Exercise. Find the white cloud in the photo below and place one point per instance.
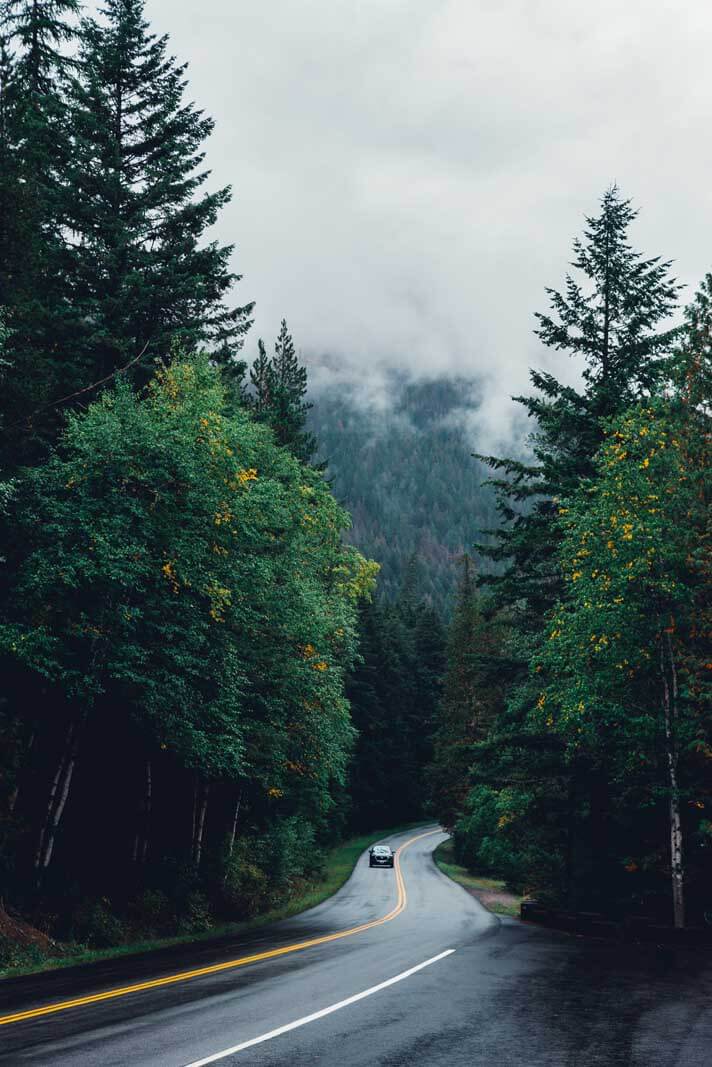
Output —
(409, 174)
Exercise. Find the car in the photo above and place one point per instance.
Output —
(380, 856)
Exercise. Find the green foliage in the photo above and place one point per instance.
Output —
(141, 272)
(413, 488)
(394, 692)
(278, 396)
(610, 320)
(471, 699)
(220, 643)
(95, 925)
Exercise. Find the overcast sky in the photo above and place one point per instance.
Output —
(409, 174)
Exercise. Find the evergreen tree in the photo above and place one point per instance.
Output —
(394, 694)
(470, 701)
(35, 38)
(141, 272)
(279, 395)
(611, 320)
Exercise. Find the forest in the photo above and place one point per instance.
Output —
(205, 682)
(416, 490)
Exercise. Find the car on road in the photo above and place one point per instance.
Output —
(380, 856)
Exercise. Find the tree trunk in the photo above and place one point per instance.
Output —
(52, 794)
(670, 694)
(233, 830)
(200, 826)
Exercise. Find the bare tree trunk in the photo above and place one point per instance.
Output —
(57, 816)
(233, 830)
(670, 694)
(198, 851)
(52, 794)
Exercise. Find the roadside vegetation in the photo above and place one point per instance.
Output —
(573, 747)
(492, 893)
(25, 950)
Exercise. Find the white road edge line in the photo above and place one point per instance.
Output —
(318, 1014)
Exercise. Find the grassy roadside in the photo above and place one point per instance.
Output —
(339, 865)
(491, 892)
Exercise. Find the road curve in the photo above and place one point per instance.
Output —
(398, 967)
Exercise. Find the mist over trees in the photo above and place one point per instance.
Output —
(407, 475)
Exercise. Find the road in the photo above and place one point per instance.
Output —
(423, 976)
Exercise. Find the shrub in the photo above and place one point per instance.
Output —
(94, 924)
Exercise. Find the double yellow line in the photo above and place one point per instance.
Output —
(215, 968)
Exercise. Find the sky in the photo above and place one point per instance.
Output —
(408, 175)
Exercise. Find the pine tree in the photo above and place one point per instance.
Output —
(261, 381)
(141, 273)
(611, 320)
(35, 39)
(470, 701)
(279, 394)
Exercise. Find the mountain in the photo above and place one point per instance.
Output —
(405, 471)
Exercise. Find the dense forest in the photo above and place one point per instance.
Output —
(204, 685)
(577, 716)
(407, 475)
(179, 611)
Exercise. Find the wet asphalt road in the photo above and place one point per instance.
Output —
(510, 995)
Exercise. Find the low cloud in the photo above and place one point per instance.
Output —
(409, 174)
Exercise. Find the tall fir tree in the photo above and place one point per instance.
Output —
(143, 275)
(278, 397)
(611, 318)
(35, 60)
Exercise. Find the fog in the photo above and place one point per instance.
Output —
(409, 174)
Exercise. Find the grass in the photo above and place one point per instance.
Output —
(340, 863)
(492, 892)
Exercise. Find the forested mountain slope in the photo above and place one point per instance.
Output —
(408, 477)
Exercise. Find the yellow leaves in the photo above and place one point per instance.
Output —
(576, 575)
(222, 515)
(308, 651)
(554, 634)
(541, 701)
(274, 792)
(645, 463)
(505, 820)
(245, 476)
(295, 768)
(220, 599)
(320, 665)
(611, 546)
(169, 573)
(628, 531)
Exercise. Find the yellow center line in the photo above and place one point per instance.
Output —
(215, 968)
